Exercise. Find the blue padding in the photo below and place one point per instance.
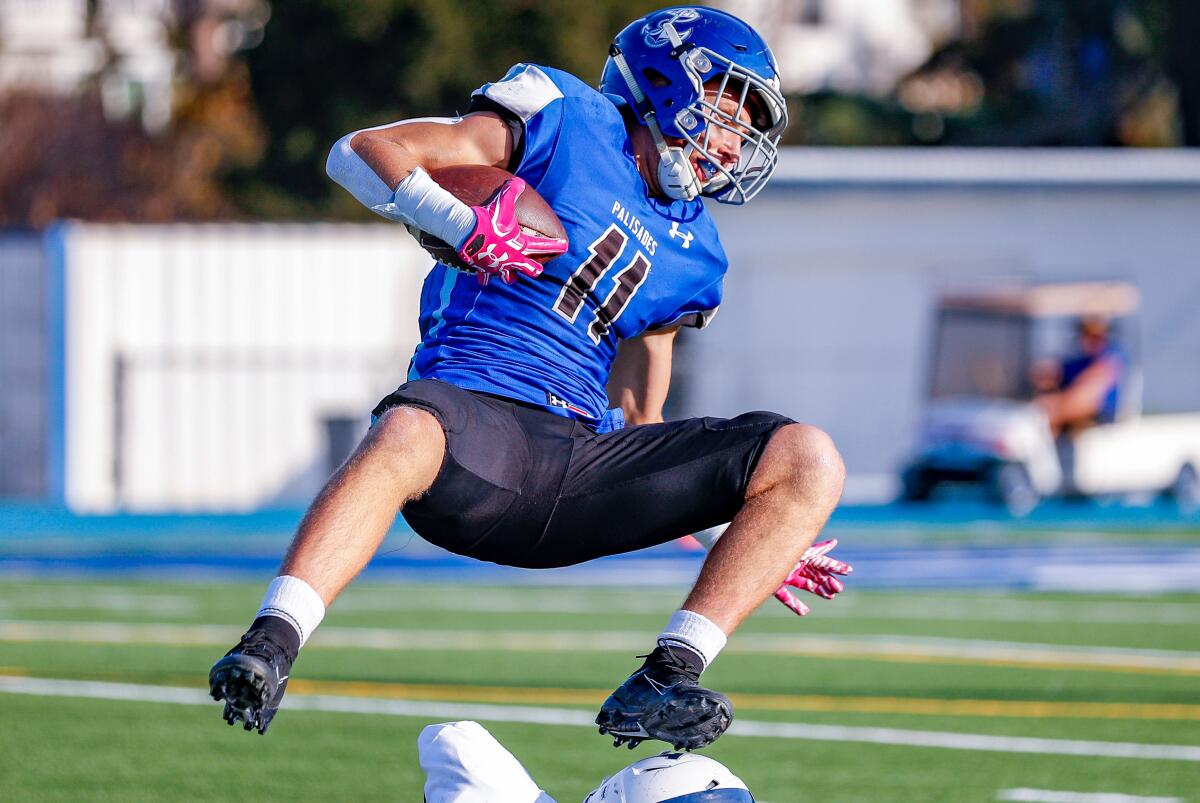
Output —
(55, 300)
(720, 795)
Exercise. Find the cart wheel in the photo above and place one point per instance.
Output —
(1185, 490)
(1013, 489)
(915, 485)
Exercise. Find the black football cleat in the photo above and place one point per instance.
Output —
(251, 679)
(663, 700)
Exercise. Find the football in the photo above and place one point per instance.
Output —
(476, 185)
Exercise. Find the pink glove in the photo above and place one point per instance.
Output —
(814, 574)
(497, 246)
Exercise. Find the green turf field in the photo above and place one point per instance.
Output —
(1043, 675)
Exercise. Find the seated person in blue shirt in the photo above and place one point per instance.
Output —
(1088, 382)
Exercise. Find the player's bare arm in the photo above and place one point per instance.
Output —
(641, 376)
(479, 138)
(388, 170)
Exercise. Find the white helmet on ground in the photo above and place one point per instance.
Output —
(672, 778)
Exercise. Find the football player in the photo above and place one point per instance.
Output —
(501, 444)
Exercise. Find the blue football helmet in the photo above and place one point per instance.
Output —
(673, 67)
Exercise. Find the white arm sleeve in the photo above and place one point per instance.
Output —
(463, 763)
(417, 200)
(349, 170)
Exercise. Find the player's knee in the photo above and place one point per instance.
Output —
(801, 456)
(402, 432)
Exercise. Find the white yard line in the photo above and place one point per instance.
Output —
(589, 601)
(882, 646)
(102, 598)
(919, 607)
(976, 649)
(575, 717)
(1026, 795)
(1000, 608)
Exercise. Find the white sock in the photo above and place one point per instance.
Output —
(696, 632)
(296, 602)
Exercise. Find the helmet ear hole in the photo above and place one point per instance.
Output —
(655, 78)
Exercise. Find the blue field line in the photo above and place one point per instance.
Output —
(25, 521)
(55, 310)
(22, 521)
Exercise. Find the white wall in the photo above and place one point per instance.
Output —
(837, 266)
(203, 359)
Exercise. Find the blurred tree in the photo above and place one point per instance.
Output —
(257, 103)
(326, 67)
(1059, 72)
(1035, 73)
(845, 120)
(61, 157)
(1183, 63)
(72, 156)
(256, 108)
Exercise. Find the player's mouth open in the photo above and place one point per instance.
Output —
(705, 171)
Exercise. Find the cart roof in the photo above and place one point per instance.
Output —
(1106, 299)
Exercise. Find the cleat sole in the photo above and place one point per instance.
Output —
(689, 721)
(244, 689)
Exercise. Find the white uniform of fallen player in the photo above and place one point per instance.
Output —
(463, 763)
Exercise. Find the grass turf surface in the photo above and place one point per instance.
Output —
(567, 649)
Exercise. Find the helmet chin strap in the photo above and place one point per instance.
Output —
(676, 178)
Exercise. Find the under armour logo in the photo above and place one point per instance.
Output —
(490, 258)
(686, 236)
(655, 36)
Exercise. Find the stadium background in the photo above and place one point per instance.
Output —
(194, 323)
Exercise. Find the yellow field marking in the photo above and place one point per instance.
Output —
(766, 702)
(1033, 662)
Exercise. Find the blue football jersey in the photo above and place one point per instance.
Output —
(635, 263)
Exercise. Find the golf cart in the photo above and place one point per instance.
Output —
(982, 429)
